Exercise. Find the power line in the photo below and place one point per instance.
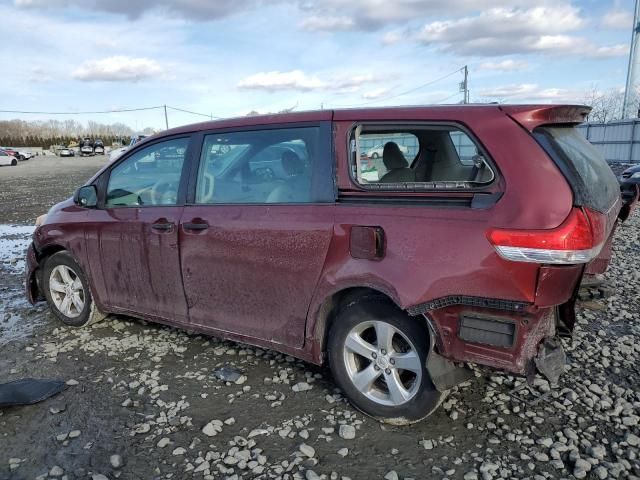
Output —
(431, 82)
(447, 98)
(84, 113)
(193, 113)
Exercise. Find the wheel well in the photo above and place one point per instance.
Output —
(49, 250)
(332, 305)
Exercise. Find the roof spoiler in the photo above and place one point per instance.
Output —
(533, 116)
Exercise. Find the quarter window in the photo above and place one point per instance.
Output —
(150, 176)
(434, 157)
(266, 166)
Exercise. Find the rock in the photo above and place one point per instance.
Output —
(56, 471)
(301, 387)
(212, 428)
(179, 451)
(343, 452)
(392, 475)
(632, 440)
(74, 433)
(311, 475)
(116, 461)
(307, 450)
(348, 432)
(163, 442)
(470, 476)
(597, 452)
(227, 374)
(601, 472)
(72, 382)
(427, 444)
(99, 476)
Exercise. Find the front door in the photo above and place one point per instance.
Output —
(254, 241)
(135, 235)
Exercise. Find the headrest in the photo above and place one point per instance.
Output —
(392, 156)
(291, 163)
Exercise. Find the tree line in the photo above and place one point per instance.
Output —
(44, 133)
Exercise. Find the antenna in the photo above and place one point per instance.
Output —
(633, 71)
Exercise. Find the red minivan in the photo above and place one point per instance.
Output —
(465, 241)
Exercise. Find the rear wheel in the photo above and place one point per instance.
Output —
(374, 155)
(67, 290)
(378, 358)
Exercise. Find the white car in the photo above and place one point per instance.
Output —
(116, 152)
(24, 155)
(6, 159)
(376, 151)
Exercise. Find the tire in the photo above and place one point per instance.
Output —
(62, 269)
(14, 162)
(366, 320)
(374, 155)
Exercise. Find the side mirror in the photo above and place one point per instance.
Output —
(86, 196)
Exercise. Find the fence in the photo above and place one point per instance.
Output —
(618, 141)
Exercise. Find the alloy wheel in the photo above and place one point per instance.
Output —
(382, 363)
(67, 291)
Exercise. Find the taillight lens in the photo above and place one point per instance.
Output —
(578, 240)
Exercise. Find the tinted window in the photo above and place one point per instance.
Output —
(150, 176)
(591, 178)
(267, 166)
(429, 157)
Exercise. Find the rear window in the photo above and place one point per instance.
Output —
(592, 180)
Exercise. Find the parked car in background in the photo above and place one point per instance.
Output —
(117, 152)
(11, 151)
(448, 256)
(66, 152)
(7, 159)
(98, 147)
(86, 147)
(24, 155)
(630, 183)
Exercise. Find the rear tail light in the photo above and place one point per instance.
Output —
(578, 240)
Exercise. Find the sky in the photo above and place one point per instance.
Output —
(226, 58)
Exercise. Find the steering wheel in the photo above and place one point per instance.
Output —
(164, 192)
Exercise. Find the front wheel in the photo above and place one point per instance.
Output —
(374, 155)
(67, 290)
(378, 357)
(14, 162)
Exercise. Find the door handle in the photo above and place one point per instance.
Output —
(195, 226)
(163, 226)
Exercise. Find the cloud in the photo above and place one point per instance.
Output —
(504, 66)
(300, 81)
(376, 14)
(507, 31)
(374, 94)
(530, 92)
(618, 20)
(316, 23)
(191, 9)
(117, 69)
(272, 81)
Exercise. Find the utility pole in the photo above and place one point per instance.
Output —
(629, 107)
(464, 85)
(166, 118)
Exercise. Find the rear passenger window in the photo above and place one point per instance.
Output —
(434, 157)
(266, 166)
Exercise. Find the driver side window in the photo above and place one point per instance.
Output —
(151, 176)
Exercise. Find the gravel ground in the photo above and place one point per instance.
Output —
(143, 401)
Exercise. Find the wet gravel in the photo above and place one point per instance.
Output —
(146, 402)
